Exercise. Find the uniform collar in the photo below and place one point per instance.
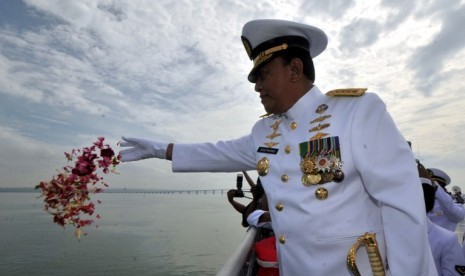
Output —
(302, 105)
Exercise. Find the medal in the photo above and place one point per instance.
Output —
(305, 181)
(313, 178)
(327, 177)
(322, 164)
(335, 163)
(338, 176)
(307, 165)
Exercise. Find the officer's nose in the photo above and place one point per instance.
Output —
(258, 86)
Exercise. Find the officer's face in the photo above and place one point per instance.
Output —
(272, 80)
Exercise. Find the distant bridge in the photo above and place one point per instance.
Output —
(153, 191)
(134, 191)
(187, 192)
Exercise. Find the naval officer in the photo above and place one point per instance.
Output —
(340, 178)
(446, 249)
(446, 212)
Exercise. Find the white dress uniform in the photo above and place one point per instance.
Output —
(447, 252)
(316, 225)
(446, 212)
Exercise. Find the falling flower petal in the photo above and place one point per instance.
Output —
(67, 196)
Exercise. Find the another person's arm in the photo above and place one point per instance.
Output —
(238, 206)
(249, 180)
(453, 211)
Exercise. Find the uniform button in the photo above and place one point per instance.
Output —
(279, 206)
(321, 193)
(293, 125)
(287, 149)
(284, 178)
(282, 239)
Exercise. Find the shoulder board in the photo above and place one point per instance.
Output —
(346, 92)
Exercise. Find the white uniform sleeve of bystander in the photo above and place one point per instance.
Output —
(453, 211)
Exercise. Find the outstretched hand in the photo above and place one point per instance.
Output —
(139, 149)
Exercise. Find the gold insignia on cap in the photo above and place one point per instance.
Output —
(346, 92)
(321, 193)
(262, 166)
(267, 54)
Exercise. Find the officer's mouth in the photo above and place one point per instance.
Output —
(263, 97)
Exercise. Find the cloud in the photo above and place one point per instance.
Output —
(333, 9)
(429, 60)
(17, 147)
(71, 71)
(399, 11)
(359, 34)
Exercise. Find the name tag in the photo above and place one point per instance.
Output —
(267, 150)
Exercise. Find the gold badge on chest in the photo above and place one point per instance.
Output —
(262, 166)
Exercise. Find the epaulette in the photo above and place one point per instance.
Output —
(346, 92)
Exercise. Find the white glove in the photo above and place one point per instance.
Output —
(142, 149)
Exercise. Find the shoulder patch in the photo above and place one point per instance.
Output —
(346, 92)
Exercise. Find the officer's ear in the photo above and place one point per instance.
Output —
(297, 68)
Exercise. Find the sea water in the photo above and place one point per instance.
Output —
(138, 234)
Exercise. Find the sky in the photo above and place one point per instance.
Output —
(176, 71)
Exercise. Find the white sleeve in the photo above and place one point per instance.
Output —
(223, 156)
(253, 217)
(453, 211)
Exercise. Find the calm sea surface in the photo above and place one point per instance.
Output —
(138, 234)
